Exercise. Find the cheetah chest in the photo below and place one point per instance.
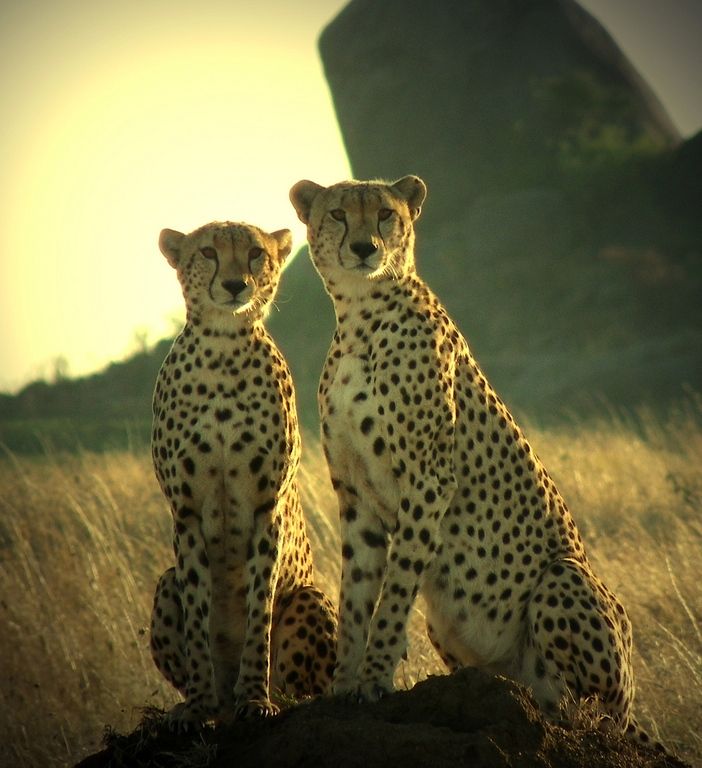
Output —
(355, 436)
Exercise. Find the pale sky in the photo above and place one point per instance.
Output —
(121, 118)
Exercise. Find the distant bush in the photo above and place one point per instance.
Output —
(592, 123)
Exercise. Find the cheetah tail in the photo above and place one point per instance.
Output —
(639, 734)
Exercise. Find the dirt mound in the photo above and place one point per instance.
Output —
(464, 719)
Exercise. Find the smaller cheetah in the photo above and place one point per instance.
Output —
(438, 488)
(238, 612)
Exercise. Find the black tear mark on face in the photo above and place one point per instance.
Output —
(211, 254)
(341, 243)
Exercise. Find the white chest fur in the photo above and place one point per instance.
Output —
(355, 435)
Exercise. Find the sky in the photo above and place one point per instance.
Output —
(122, 118)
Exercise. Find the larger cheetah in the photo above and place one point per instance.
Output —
(438, 488)
(237, 612)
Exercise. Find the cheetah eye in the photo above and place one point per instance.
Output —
(255, 255)
(338, 214)
(384, 214)
(208, 252)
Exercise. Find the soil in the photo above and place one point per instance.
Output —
(468, 718)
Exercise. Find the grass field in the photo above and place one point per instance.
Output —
(84, 537)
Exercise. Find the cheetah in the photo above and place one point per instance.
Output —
(238, 613)
(438, 488)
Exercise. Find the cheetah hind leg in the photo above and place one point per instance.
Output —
(303, 647)
(560, 704)
(167, 632)
(579, 647)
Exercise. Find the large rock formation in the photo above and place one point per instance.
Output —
(562, 226)
(477, 95)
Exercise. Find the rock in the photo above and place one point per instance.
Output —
(468, 718)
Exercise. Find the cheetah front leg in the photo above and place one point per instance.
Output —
(423, 504)
(364, 544)
(421, 463)
(193, 582)
(167, 641)
(251, 692)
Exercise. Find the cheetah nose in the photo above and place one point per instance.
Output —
(363, 250)
(235, 287)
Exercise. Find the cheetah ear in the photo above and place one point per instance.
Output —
(413, 191)
(302, 196)
(284, 239)
(169, 242)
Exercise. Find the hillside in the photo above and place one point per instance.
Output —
(108, 409)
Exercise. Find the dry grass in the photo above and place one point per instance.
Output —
(84, 538)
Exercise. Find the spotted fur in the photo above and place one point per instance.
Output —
(238, 612)
(438, 488)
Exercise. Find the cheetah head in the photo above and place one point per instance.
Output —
(360, 230)
(225, 267)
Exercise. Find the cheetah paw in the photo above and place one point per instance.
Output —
(184, 718)
(371, 691)
(345, 688)
(255, 709)
(367, 690)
